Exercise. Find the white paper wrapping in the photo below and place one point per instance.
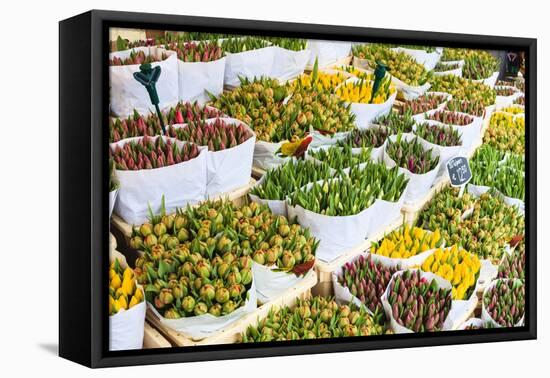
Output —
(112, 201)
(128, 94)
(485, 315)
(327, 52)
(427, 59)
(195, 78)
(456, 316)
(265, 157)
(126, 328)
(504, 101)
(249, 64)
(366, 113)
(489, 81)
(476, 322)
(271, 284)
(277, 207)
(455, 72)
(319, 139)
(419, 184)
(289, 64)
(199, 327)
(231, 168)
(179, 183)
(446, 152)
(338, 234)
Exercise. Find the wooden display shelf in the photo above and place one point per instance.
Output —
(152, 338)
(258, 172)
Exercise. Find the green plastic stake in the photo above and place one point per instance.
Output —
(379, 73)
(148, 77)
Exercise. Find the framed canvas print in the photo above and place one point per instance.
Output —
(235, 188)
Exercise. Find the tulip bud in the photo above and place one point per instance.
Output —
(246, 276)
(228, 307)
(136, 242)
(172, 313)
(188, 304)
(222, 295)
(200, 309)
(166, 296)
(215, 309)
(145, 229)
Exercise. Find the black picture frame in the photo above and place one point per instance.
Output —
(83, 167)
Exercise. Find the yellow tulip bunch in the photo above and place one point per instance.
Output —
(123, 292)
(519, 122)
(361, 91)
(406, 242)
(458, 266)
(320, 81)
(513, 110)
(356, 72)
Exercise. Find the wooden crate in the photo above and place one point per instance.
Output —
(153, 339)
(230, 334)
(237, 196)
(324, 270)
(257, 172)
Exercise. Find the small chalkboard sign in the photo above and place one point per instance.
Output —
(459, 172)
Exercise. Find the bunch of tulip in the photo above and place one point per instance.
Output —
(341, 157)
(150, 153)
(367, 280)
(218, 135)
(406, 242)
(505, 302)
(422, 104)
(463, 89)
(196, 52)
(440, 135)
(411, 155)
(353, 193)
(418, 304)
(123, 291)
(278, 183)
(366, 138)
(457, 266)
(136, 57)
(450, 118)
(400, 64)
(315, 318)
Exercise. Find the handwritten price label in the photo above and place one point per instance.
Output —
(459, 171)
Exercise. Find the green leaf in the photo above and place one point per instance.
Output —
(164, 268)
(151, 289)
